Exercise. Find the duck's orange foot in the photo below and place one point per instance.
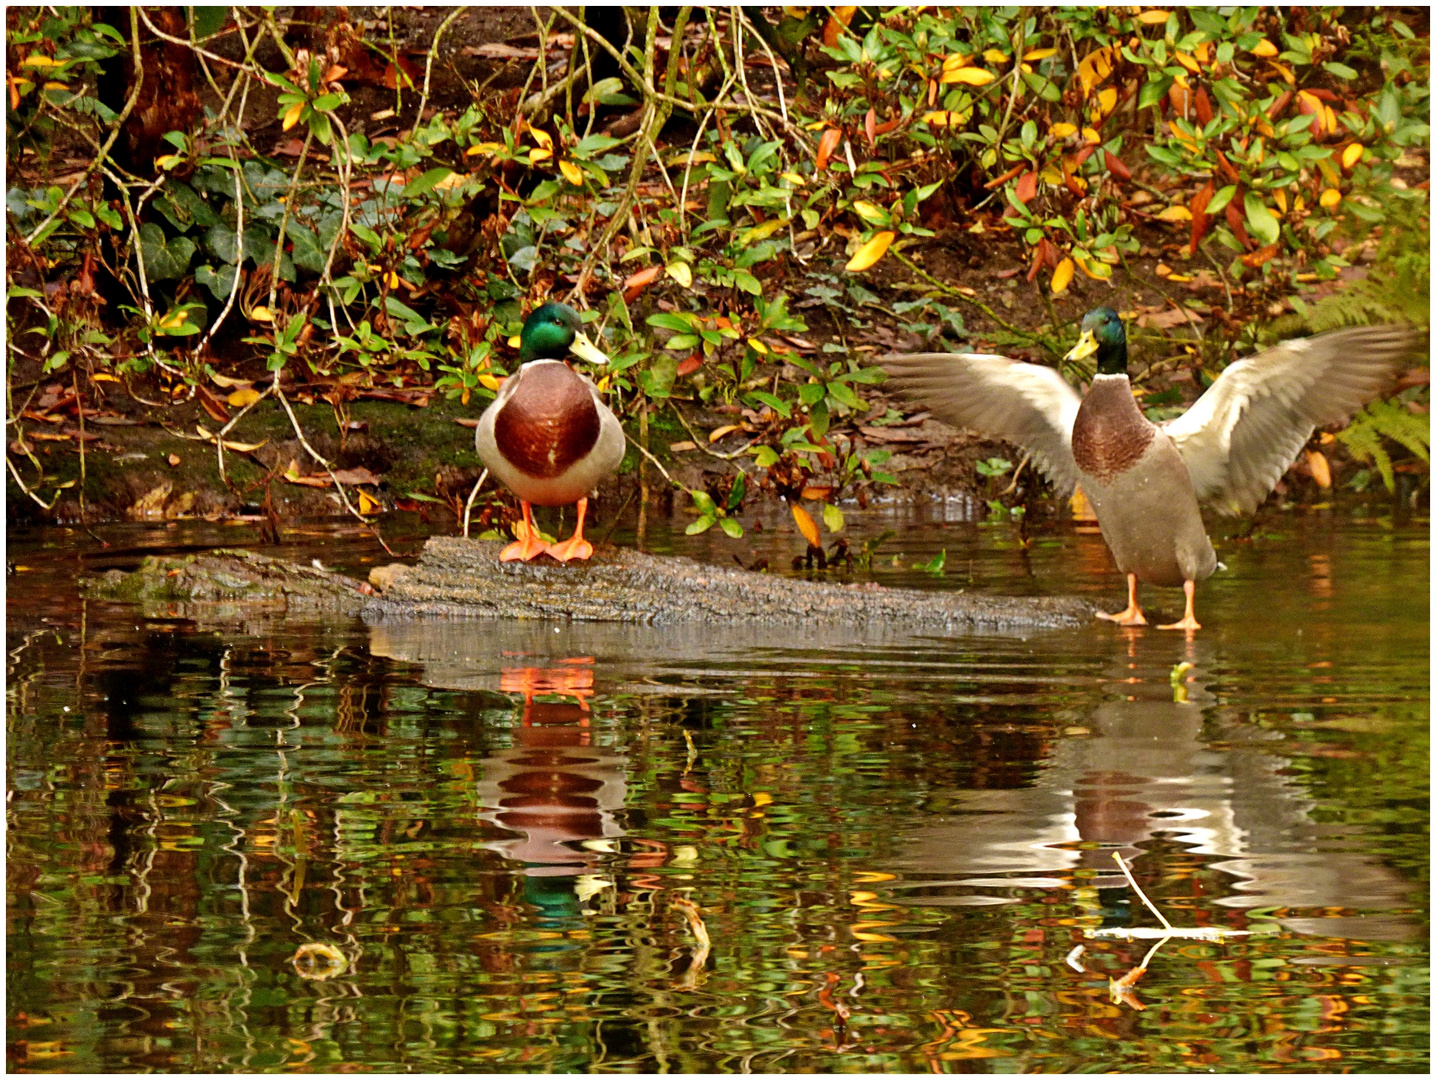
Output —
(575, 547)
(1130, 617)
(1188, 621)
(527, 549)
(528, 544)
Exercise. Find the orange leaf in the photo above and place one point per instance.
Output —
(1026, 187)
(1200, 218)
(1062, 277)
(1261, 256)
(871, 252)
(1320, 468)
(826, 145)
(817, 492)
(690, 365)
(807, 526)
(837, 23)
(870, 128)
(636, 283)
(1116, 166)
(727, 429)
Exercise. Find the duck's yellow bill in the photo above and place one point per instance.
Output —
(1085, 347)
(586, 350)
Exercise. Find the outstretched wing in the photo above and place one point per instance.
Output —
(1249, 426)
(1025, 404)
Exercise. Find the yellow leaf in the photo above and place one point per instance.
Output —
(793, 178)
(1062, 130)
(1152, 18)
(1106, 102)
(515, 341)
(806, 526)
(955, 61)
(1095, 67)
(1038, 54)
(39, 60)
(167, 161)
(758, 346)
(995, 56)
(488, 382)
(1280, 196)
(571, 172)
(681, 272)
(242, 447)
(1189, 62)
(542, 137)
(1284, 71)
(291, 114)
(1330, 197)
(368, 504)
(1097, 271)
(240, 398)
(1090, 135)
(392, 279)
(104, 377)
(936, 119)
(539, 153)
(869, 211)
(486, 148)
(763, 231)
(871, 252)
(1062, 277)
(727, 429)
(261, 314)
(1204, 52)
(1351, 155)
(1175, 213)
(174, 318)
(969, 76)
(1264, 48)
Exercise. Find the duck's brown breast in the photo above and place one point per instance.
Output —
(549, 423)
(1109, 434)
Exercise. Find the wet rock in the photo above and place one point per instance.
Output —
(464, 578)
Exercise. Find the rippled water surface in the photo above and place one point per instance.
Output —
(464, 846)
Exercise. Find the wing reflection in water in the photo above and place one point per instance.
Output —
(1141, 771)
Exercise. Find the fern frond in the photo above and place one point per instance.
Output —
(1389, 420)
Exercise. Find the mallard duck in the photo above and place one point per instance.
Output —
(548, 436)
(1145, 480)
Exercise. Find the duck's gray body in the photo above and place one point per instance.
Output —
(1142, 495)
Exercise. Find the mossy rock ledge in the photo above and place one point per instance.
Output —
(464, 578)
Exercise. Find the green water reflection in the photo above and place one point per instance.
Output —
(583, 848)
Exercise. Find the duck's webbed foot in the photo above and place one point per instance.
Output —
(575, 547)
(1188, 621)
(529, 544)
(1132, 615)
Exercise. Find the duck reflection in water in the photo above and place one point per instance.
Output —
(555, 789)
(1160, 768)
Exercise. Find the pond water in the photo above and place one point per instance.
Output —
(305, 845)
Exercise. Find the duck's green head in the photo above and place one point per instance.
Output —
(1103, 334)
(552, 332)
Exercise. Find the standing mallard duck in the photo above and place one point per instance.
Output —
(1144, 480)
(548, 436)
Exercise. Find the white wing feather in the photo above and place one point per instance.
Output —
(1026, 404)
(1247, 429)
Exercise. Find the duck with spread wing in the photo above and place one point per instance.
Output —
(1145, 481)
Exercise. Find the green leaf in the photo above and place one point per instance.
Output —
(665, 320)
(1220, 199)
(164, 261)
(307, 254)
(1261, 221)
(747, 282)
(704, 502)
(422, 185)
(778, 405)
(764, 456)
(832, 518)
(1341, 71)
(219, 282)
(702, 525)
(1153, 91)
(731, 527)
(740, 488)
(594, 144)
